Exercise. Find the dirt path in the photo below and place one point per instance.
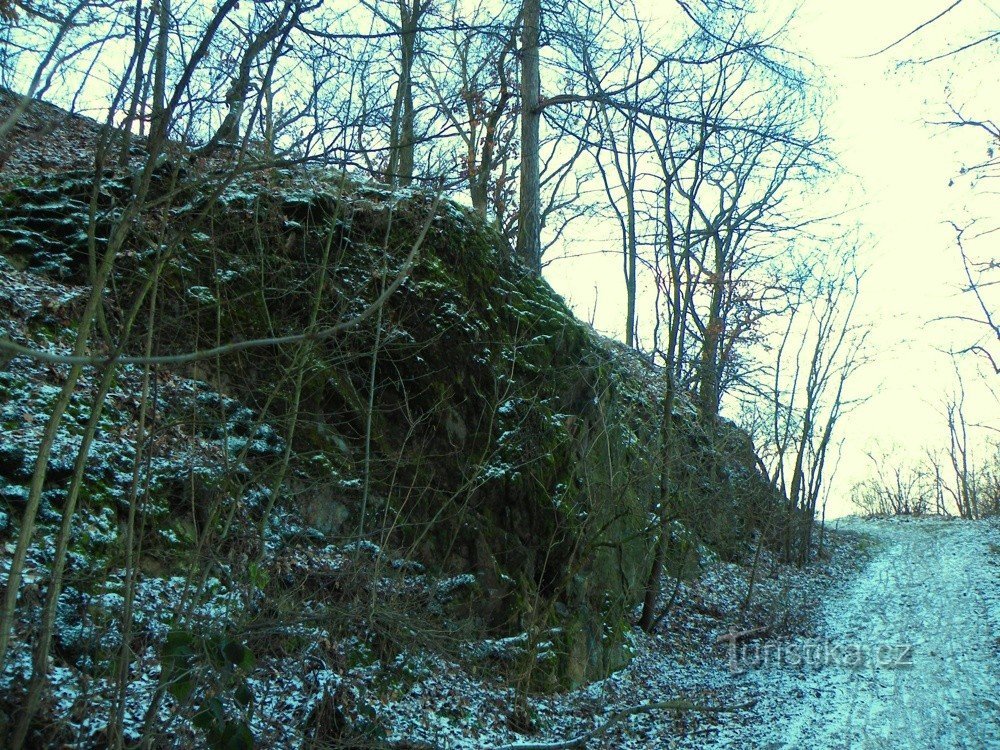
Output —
(909, 654)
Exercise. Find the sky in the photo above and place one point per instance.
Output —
(897, 169)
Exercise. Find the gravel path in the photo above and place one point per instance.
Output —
(909, 655)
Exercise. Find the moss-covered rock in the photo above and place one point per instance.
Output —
(471, 420)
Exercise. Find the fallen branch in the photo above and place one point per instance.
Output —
(735, 636)
(677, 704)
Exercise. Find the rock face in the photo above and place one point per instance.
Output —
(470, 422)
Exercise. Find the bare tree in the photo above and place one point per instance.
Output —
(272, 31)
(819, 348)
(964, 489)
(476, 92)
(894, 489)
(529, 225)
(402, 137)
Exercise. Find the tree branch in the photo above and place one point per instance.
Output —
(677, 704)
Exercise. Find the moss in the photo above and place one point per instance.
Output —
(509, 440)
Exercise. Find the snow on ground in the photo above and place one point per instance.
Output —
(447, 708)
(904, 655)
(908, 654)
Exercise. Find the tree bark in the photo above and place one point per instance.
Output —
(401, 136)
(529, 208)
(236, 97)
(709, 375)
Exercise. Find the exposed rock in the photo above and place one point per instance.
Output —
(509, 441)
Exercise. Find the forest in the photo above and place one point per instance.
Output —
(300, 446)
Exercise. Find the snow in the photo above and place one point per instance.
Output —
(908, 653)
(201, 294)
(418, 695)
(901, 655)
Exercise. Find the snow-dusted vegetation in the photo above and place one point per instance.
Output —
(253, 543)
(251, 550)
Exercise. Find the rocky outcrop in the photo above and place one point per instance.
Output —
(470, 422)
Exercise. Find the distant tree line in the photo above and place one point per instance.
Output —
(959, 475)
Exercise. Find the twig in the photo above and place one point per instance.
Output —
(915, 30)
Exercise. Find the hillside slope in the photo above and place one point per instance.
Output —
(368, 434)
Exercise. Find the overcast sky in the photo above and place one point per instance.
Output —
(898, 172)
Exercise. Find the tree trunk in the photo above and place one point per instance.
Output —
(401, 136)
(708, 384)
(406, 135)
(631, 255)
(236, 97)
(157, 123)
(648, 618)
(529, 249)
